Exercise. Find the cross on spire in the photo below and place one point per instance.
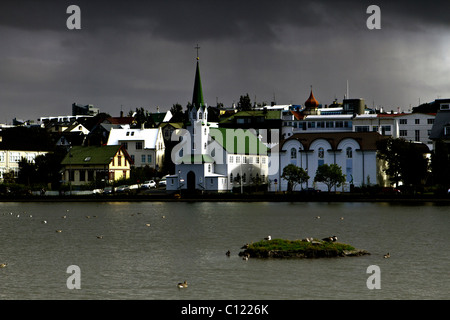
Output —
(197, 47)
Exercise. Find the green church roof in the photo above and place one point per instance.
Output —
(238, 141)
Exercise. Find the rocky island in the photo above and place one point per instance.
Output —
(306, 248)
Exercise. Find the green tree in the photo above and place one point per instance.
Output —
(294, 175)
(405, 161)
(244, 103)
(331, 175)
(177, 113)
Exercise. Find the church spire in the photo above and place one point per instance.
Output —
(197, 97)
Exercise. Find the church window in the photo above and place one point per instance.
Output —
(321, 153)
(349, 152)
(293, 153)
(200, 115)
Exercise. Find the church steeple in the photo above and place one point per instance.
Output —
(197, 97)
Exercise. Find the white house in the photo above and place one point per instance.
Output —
(355, 153)
(145, 146)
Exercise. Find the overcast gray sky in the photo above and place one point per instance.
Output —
(132, 54)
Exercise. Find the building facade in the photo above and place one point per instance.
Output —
(355, 153)
(102, 165)
(9, 160)
(145, 146)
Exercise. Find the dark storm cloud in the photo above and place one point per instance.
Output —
(141, 53)
(189, 20)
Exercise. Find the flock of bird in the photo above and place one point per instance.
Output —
(184, 284)
(311, 240)
(44, 221)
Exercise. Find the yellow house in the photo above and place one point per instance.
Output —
(84, 165)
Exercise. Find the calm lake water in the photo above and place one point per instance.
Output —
(188, 241)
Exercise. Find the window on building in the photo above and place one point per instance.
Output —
(139, 145)
(430, 121)
(417, 121)
(149, 158)
(403, 121)
(125, 145)
(238, 159)
(132, 157)
(361, 128)
(209, 168)
(230, 159)
(417, 135)
(143, 158)
(403, 133)
(293, 153)
(119, 160)
(385, 130)
(447, 130)
(231, 177)
(349, 153)
(82, 175)
(321, 153)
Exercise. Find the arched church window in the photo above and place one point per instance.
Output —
(349, 153)
(293, 153)
(321, 153)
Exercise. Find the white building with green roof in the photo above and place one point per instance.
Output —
(208, 158)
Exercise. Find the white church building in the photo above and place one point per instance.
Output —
(212, 159)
